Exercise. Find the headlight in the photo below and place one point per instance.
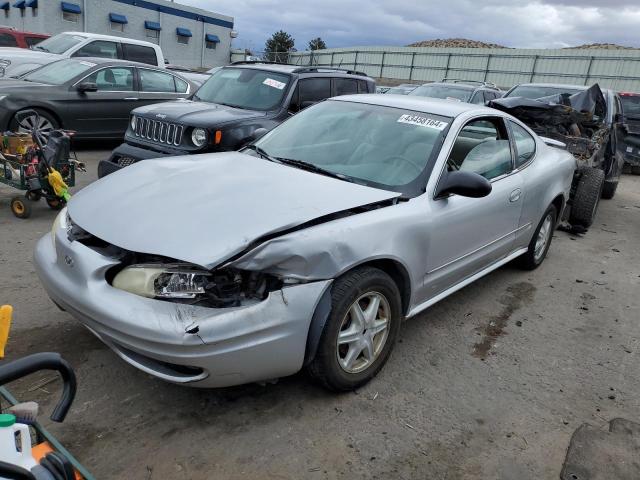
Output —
(133, 122)
(199, 137)
(163, 281)
(60, 222)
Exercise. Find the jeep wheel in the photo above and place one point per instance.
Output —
(587, 197)
(360, 332)
(609, 189)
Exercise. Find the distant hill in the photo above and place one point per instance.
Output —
(455, 43)
(603, 46)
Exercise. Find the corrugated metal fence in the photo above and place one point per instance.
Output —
(616, 69)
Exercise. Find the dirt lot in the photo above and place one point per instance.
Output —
(488, 384)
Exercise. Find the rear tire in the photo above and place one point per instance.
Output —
(55, 203)
(587, 197)
(609, 189)
(20, 207)
(540, 242)
(354, 346)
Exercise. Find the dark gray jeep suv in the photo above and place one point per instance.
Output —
(235, 106)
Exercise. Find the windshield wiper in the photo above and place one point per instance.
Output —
(313, 168)
(39, 47)
(263, 154)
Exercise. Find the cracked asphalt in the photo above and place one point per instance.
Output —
(489, 383)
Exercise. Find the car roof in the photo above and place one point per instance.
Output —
(109, 37)
(288, 68)
(434, 106)
(554, 85)
(464, 86)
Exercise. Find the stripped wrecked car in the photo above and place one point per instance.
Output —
(588, 122)
(308, 247)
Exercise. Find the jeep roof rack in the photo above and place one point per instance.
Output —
(320, 69)
(472, 82)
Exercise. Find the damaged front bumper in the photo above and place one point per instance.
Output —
(198, 346)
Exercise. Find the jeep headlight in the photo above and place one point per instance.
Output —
(133, 122)
(175, 281)
(199, 137)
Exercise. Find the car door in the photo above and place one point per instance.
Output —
(98, 49)
(160, 86)
(310, 91)
(469, 234)
(618, 146)
(105, 112)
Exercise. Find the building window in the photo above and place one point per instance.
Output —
(211, 41)
(34, 12)
(152, 29)
(70, 17)
(210, 45)
(152, 33)
(184, 34)
(117, 22)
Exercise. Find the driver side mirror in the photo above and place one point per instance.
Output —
(87, 87)
(465, 184)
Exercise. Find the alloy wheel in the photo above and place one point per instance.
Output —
(363, 332)
(544, 235)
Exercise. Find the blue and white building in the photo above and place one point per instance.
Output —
(188, 36)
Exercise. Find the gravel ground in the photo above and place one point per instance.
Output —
(489, 383)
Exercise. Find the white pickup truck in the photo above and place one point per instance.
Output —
(18, 61)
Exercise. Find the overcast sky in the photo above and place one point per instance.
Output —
(513, 23)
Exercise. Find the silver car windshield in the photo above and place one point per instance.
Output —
(245, 88)
(379, 146)
(59, 43)
(443, 91)
(60, 72)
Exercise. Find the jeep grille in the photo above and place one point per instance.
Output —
(157, 131)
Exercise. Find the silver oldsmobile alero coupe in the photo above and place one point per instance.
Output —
(309, 247)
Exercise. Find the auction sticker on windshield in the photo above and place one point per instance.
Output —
(274, 83)
(423, 121)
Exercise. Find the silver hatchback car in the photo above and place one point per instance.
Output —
(309, 247)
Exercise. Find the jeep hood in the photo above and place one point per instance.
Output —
(196, 114)
(207, 208)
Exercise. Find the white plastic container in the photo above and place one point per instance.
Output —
(9, 452)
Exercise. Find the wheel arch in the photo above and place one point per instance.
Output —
(395, 269)
(559, 202)
(40, 108)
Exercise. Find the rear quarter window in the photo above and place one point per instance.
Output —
(139, 53)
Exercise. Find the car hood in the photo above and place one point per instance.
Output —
(207, 208)
(22, 55)
(7, 85)
(196, 114)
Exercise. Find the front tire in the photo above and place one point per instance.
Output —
(541, 241)
(45, 124)
(360, 332)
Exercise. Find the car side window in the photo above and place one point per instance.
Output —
(31, 41)
(345, 86)
(478, 98)
(112, 79)
(139, 53)
(7, 40)
(525, 144)
(154, 81)
(98, 48)
(362, 86)
(482, 147)
(181, 85)
(313, 90)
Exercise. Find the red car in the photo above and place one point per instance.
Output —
(10, 37)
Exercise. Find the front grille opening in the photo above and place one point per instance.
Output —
(157, 131)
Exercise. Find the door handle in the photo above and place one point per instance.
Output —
(515, 195)
(132, 98)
